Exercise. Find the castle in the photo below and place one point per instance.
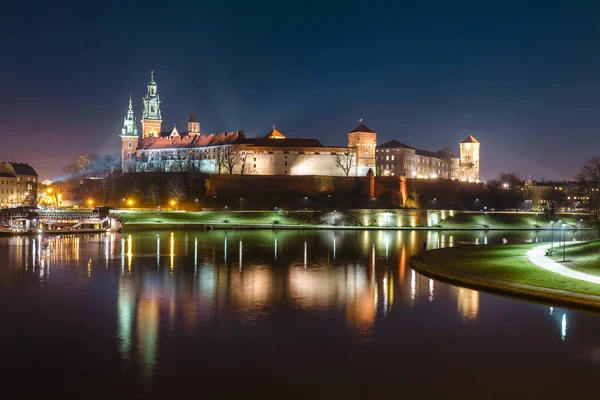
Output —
(274, 154)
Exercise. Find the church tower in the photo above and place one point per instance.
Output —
(193, 125)
(469, 159)
(129, 138)
(364, 141)
(151, 118)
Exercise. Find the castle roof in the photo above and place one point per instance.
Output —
(193, 117)
(470, 139)
(274, 134)
(165, 141)
(285, 142)
(362, 128)
(394, 144)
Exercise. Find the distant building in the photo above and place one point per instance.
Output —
(566, 195)
(18, 185)
(395, 158)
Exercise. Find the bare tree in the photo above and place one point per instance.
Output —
(345, 161)
(176, 189)
(589, 178)
(218, 159)
(152, 194)
(230, 158)
(553, 200)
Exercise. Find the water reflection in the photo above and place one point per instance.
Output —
(359, 277)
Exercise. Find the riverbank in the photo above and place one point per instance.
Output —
(506, 269)
(583, 256)
(346, 219)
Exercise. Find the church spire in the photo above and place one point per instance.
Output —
(129, 125)
(151, 117)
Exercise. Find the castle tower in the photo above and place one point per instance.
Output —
(364, 140)
(469, 159)
(129, 138)
(151, 118)
(193, 125)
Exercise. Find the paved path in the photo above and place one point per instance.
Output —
(537, 255)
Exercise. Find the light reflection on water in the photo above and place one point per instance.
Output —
(163, 293)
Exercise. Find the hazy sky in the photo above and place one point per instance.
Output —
(522, 77)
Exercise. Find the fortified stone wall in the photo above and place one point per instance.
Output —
(312, 185)
(443, 193)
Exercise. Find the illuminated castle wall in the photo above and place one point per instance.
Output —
(232, 152)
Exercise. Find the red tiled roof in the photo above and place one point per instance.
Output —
(190, 141)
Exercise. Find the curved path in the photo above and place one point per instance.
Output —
(537, 256)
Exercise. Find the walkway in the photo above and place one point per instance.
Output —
(537, 255)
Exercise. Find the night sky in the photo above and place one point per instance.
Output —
(522, 77)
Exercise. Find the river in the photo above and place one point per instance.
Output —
(277, 314)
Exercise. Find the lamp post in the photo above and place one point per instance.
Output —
(306, 203)
(581, 230)
(564, 226)
(276, 215)
(552, 236)
(196, 204)
(241, 203)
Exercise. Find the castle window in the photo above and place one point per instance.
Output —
(286, 163)
(254, 165)
(255, 160)
(392, 158)
(369, 147)
(366, 154)
(286, 172)
(129, 145)
(364, 146)
(387, 158)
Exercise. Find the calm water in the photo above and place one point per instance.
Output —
(280, 314)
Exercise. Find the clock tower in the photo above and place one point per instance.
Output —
(152, 117)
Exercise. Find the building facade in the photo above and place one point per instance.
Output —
(395, 158)
(18, 185)
(234, 153)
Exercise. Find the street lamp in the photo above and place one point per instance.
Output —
(581, 230)
(564, 227)
(173, 202)
(241, 203)
(196, 204)
(276, 215)
(90, 202)
(129, 202)
(552, 236)
(305, 203)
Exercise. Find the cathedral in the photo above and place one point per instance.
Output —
(275, 154)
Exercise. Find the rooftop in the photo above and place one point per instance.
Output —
(362, 128)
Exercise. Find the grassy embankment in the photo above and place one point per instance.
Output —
(583, 256)
(213, 217)
(505, 263)
(372, 218)
(513, 220)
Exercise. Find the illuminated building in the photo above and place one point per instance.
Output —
(394, 158)
(18, 185)
(232, 152)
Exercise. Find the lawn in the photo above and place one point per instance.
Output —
(512, 220)
(583, 256)
(209, 217)
(508, 263)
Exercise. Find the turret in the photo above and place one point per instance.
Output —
(364, 141)
(193, 125)
(469, 159)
